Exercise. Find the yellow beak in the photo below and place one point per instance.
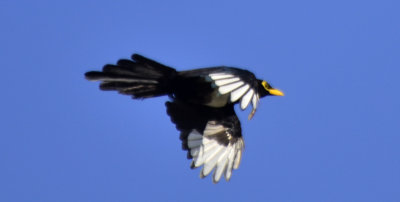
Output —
(275, 92)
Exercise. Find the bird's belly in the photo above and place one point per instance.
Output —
(218, 100)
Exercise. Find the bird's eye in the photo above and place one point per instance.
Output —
(265, 85)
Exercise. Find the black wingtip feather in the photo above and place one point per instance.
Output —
(153, 64)
(126, 63)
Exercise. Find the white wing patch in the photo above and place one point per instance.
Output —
(230, 87)
(238, 89)
(222, 82)
(246, 99)
(238, 93)
(217, 76)
(212, 155)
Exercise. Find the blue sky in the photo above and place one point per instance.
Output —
(334, 136)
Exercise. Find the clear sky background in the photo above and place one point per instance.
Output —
(335, 136)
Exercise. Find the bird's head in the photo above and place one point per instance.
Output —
(266, 89)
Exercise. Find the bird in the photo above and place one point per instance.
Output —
(201, 105)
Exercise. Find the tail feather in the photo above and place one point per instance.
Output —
(120, 86)
(151, 64)
(112, 77)
(140, 77)
(122, 70)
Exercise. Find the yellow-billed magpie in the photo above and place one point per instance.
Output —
(201, 106)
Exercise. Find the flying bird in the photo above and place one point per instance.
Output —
(201, 106)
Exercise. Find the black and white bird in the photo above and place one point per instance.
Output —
(201, 106)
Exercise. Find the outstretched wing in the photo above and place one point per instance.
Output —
(212, 137)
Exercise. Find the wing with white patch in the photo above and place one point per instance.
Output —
(238, 88)
(215, 149)
(212, 137)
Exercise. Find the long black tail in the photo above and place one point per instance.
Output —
(139, 77)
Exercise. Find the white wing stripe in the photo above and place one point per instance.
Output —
(206, 150)
(212, 160)
(194, 151)
(220, 76)
(199, 156)
(228, 173)
(255, 101)
(228, 88)
(210, 146)
(246, 99)
(226, 81)
(235, 95)
(238, 157)
(221, 165)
